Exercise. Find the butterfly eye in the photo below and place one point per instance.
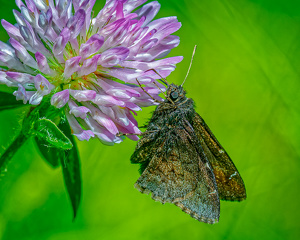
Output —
(174, 95)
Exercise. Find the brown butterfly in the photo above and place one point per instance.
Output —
(183, 163)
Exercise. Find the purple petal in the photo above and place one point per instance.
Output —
(132, 4)
(131, 129)
(107, 111)
(36, 98)
(12, 30)
(78, 111)
(89, 66)
(10, 62)
(77, 130)
(104, 135)
(50, 32)
(61, 42)
(159, 51)
(71, 66)
(76, 23)
(149, 11)
(43, 63)
(41, 5)
(84, 135)
(42, 84)
(5, 48)
(26, 14)
(162, 22)
(3, 79)
(22, 54)
(146, 102)
(22, 94)
(133, 106)
(102, 119)
(21, 78)
(19, 18)
(125, 74)
(121, 117)
(8, 58)
(117, 92)
(146, 46)
(107, 101)
(113, 56)
(92, 46)
(145, 79)
(110, 28)
(60, 99)
(83, 95)
(118, 36)
(19, 3)
(31, 5)
(26, 35)
(43, 21)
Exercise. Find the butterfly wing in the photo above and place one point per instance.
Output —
(179, 172)
(230, 184)
(143, 151)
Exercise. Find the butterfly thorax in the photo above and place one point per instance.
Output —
(175, 108)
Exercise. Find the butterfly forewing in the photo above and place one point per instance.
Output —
(230, 184)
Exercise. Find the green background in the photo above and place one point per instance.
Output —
(245, 81)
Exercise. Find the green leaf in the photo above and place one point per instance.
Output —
(49, 132)
(50, 154)
(8, 101)
(68, 159)
(71, 169)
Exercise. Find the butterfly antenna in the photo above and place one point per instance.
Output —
(163, 80)
(190, 65)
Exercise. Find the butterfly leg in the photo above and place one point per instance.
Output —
(155, 100)
(137, 134)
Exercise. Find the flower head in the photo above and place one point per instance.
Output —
(89, 66)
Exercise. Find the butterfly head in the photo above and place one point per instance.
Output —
(175, 93)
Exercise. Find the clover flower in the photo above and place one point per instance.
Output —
(89, 66)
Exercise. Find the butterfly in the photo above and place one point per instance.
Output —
(182, 162)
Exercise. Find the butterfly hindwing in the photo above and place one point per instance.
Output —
(230, 184)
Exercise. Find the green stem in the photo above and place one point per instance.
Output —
(11, 150)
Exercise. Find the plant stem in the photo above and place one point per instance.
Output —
(11, 150)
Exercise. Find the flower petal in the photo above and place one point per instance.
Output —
(149, 11)
(102, 119)
(76, 23)
(77, 130)
(61, 41)
(21, 94)
(107, 101)
(113, 57)
(83, 95)
(42, 84)
(78, 111)
(22, 54)
(71, 66)
(92, 46)
(60, 99)
(43, 64)
(89, 66)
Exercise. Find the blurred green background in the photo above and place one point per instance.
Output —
(245, 81)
